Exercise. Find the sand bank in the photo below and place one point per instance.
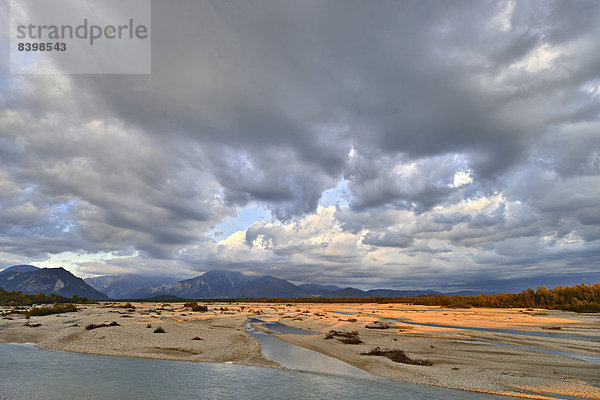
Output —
(458, 358)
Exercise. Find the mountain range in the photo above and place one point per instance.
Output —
(213, 284)
(218, 284)
(127, 286)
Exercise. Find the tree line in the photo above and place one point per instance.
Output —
(13, 298)
(584, 297)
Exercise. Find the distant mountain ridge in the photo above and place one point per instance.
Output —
(214, 284)
(217, 284)
(32, 280)
(126, 286)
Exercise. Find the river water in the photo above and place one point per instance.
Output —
(30, 373)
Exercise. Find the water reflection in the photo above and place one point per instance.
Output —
(298, 358)
(281, 329)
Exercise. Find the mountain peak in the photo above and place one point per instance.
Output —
(20, 268)
(218, 273)
(47, 280)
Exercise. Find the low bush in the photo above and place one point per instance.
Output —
(195, 307)
(396, 355)
(378, 325)
(344, 337)
(159, 330)
(96, 326)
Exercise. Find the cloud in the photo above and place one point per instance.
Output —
(387, 239)
(465, 137)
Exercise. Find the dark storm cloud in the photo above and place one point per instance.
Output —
(293, 86)
(423, 108)
(311, 79)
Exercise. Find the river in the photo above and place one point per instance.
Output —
(27, 372)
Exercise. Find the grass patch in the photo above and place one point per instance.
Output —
(96, 326)
(396, 355)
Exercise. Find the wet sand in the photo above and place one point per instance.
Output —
(458, 358)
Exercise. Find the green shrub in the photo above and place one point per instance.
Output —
(159, 330)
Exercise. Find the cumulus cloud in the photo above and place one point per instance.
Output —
(465, 136)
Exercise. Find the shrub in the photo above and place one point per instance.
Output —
(396, 355)
(378, 325)
(159, 330)
(96, 326)
(344, 337)
(195, 307)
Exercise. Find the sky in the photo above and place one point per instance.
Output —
(399, 144)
